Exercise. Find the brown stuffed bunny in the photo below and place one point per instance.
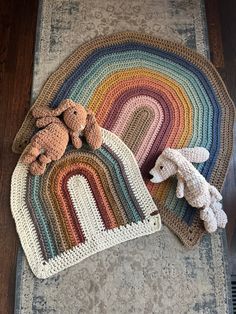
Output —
(50, 143)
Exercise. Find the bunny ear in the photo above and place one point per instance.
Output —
(93, 131)
(47, 112)
(195, 154)
(91, 116)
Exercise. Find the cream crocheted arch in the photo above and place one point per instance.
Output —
(61, 219)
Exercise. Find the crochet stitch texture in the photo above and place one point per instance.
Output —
(84, 203)
(191, 184)
(153, 94)
(51, 142)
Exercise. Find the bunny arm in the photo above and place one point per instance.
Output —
(42, 122)
(180, 187)
(76, 141)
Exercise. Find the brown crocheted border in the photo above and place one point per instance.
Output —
(188, 235)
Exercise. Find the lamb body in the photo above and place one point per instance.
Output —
(191, 184)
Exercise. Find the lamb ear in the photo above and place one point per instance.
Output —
(174, 155)
(195, 154)
(41, 112)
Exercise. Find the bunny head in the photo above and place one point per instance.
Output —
(75, 118)
(173, 161)
(74, 115)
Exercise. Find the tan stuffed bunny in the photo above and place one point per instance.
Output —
(50, 143)
(191, 184)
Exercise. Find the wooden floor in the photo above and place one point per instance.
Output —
(17, 35)
(221, 18)
(224, 19)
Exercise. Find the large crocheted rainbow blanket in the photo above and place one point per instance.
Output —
(84, 203)
(153, 94)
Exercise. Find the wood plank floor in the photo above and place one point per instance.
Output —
(221, 17)
(227, 11)
(17, 36)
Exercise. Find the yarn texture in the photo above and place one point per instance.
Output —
(50, 143)
(86, 202)
(191, 184)
(153, 94)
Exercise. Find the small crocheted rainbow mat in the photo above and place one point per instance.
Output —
(153, 94)
(84, 203)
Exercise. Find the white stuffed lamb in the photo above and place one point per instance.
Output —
(191, 184)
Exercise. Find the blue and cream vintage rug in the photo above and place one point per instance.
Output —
(147, 275)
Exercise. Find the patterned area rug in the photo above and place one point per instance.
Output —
(152, 274)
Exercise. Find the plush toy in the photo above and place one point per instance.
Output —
(191, 184)
(50, 143)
